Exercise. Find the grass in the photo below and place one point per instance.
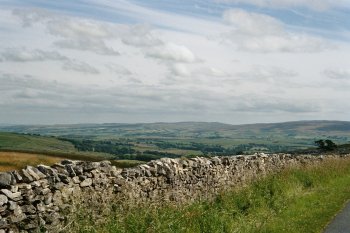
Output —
(19, 150)
(294, 200)
(14, 160)
(43, 145)
(35, 143)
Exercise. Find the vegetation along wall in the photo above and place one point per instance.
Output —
(42, 197)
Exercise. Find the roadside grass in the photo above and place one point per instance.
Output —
(294, 200)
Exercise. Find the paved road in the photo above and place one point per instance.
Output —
(341, 222)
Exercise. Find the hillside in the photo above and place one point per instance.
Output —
(49, 146)
(14, 141)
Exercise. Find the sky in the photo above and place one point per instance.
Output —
(127, 61)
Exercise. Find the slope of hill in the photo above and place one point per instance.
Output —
(49, 146)
(14, 141)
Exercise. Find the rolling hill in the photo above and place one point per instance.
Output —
(338, 130)
(145, 141)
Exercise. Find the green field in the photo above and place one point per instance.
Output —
(292, 201)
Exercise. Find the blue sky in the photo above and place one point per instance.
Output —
(331, 19)
(232, 61)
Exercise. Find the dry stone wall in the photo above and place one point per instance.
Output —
(40, 198)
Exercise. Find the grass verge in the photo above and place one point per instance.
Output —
(295, 200)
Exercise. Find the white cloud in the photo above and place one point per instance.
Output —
(194, 78)
(337, 74)
(139, 102)
(122, 73)
(25, 55)
(31, 16)
(86, 44)
(74, 33)
(78, 66)
(118, 69)
(84, 35)
(75, 28)
(211, 72)
(140, 36)
(272, 104)
(262, 73)
(180, 70)
(262, 33)
(253, 23)
(173, 52)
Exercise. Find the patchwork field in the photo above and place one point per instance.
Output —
(14, 160)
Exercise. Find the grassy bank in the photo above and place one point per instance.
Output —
(295, 200)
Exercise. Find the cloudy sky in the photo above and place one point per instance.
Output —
(233, 61)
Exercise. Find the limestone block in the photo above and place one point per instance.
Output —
(13, 196)
(85, 183)
(3, 199)
(6, 179)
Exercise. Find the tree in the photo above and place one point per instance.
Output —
(326, 145)
(320, 144)
(330, 145)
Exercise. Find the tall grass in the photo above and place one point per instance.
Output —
(294, 200)
(14, 161)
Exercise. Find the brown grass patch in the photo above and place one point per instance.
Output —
(16, 160)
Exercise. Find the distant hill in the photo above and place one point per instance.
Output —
(145, 141)
(339, 130)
